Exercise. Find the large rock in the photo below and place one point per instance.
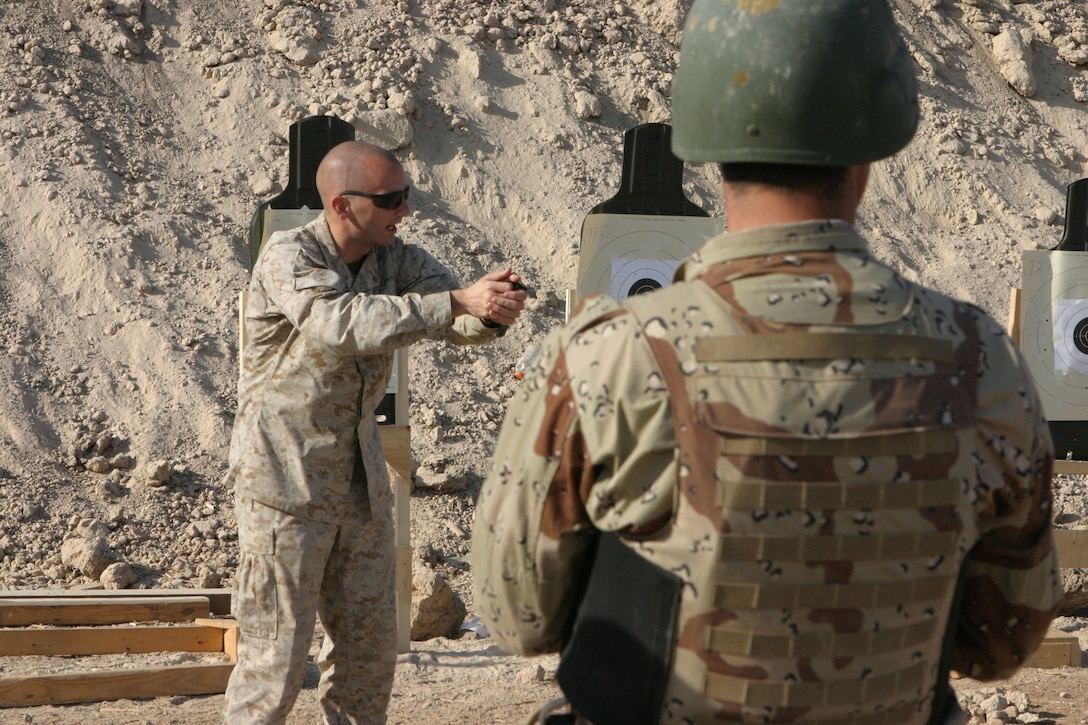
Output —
(1013, 55)
(89, 556)
(118, 576)
(436, 610)
(388, 128)
(1075, 584)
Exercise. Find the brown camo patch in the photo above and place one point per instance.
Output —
(564, 508)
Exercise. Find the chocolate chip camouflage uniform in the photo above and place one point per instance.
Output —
(312, 489)
(817, 447)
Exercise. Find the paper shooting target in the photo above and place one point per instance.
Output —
(625, 254)
(1054, 330)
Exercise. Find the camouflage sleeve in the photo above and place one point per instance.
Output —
(569, 438)
(318, 301)
(1013, 584)
(420, 273)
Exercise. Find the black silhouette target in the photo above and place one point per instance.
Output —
(1054, 331)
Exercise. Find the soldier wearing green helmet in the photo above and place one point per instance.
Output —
(793, 486)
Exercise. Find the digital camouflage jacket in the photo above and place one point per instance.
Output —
(317, 364)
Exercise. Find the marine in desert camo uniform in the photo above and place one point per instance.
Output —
(328, 305)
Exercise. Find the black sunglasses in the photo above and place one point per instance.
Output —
(389, 200)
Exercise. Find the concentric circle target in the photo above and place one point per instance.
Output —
(637, 276)
(626, 254)
(1054, 330)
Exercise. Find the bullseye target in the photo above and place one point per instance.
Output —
(1070, 336)
(1054, 330)
(637, 276)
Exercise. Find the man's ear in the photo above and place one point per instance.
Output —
(858, 179)
(339, 205)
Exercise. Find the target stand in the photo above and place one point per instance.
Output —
(300, 203)
(634, 242)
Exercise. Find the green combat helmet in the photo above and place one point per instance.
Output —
(825, 82)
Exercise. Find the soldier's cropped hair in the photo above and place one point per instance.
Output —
(823, 180)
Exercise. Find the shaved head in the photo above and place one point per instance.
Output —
(351, 165)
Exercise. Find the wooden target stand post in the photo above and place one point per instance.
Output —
(634, 242)
(1048, 319)
(310, 139)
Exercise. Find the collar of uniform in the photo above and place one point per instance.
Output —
(819, 235)
(319, 227)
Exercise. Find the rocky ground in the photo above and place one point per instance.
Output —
(138, 137)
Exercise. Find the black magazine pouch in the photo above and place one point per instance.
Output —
(615, 665)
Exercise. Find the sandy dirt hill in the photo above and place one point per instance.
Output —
(138, 137)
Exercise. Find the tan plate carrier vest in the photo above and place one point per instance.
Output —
(822, 509)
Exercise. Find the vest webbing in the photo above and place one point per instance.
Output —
(867, 595)
(835, 495)
(914, 443)
(850, 547)
(822, 644)
(821, 346)
(895, 716)
(814, 694)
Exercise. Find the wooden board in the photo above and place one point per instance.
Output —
(397, 445)
(398, 454)
(230, 634)
(1012, 325)
(114, 685)
(1059, 649)
(1071, 468)
(109, 640)
(59, 611)
(403, 588)
(218, 599)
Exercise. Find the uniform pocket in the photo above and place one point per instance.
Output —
(256, 604)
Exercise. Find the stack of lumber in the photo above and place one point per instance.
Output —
(84, 623)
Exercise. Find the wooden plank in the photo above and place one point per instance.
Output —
(220, 623)
(1059, 649)
(114, 685)
(20, 612)
(109, 640)
(1072, 547)
(401, 399)
(403, 588)
(218, 599)
(396, 442)
(1071, 468)
(230, 643)
(230, 634)
(1013, 324)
